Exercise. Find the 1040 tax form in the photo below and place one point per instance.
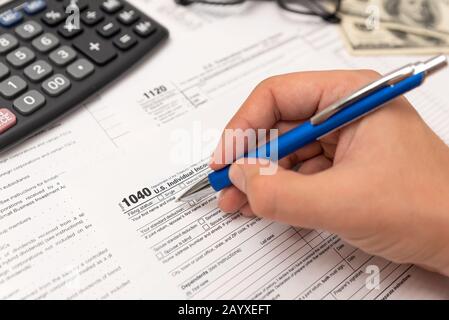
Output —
(193, 250)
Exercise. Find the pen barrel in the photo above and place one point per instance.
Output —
(306, 133)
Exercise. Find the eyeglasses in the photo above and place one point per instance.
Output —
(326, 9)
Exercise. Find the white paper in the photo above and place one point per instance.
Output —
(196, 249)
(49, 248)
(198, 79)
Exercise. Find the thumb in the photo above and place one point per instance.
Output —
(319, 201)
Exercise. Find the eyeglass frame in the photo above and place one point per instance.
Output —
(331, 17)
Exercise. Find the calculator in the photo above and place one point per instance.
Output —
(52, 58)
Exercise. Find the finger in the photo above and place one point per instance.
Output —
(231, 200)
(315, 165)
(328, 142)
(289, 97)
(329, 149)
(305, 153)
(322, 200)
(309, 151)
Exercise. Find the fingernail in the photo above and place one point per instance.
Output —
(213, 156)
(221, 197)
(237, 177)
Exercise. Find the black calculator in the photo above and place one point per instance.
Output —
(52, 58)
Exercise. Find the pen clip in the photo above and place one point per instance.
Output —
(389, 79)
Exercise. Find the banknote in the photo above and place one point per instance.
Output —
(361, 39)
(428, 17)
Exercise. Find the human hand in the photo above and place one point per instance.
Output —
(381, 183)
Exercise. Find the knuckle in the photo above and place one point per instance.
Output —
(369, 74)
(263, 85)
(357, 79)
(269, 82)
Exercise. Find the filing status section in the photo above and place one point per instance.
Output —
(212, 255)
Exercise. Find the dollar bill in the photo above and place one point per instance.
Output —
(361, 39)
(427, 17)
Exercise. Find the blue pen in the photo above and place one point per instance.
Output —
(339, 114)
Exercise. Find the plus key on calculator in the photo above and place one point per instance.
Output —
(54, 54)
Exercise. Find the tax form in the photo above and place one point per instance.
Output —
(72, 237)
(49, 248)
(195, 250)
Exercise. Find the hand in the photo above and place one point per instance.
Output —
(381, 183)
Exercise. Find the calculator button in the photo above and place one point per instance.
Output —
(20, 57)
(128, 17)
(8, 42)
(111, 6)
(29, 30)
(4, 71)
(56, 85)
(29, 102)
(63, 56)
(92, 17)
(125, 41)
(81, 4)
(144, 28)
(108, 29)
(35, 6)
(99, 51)
(38, 71)
(53, 17)
(10, 18)
(69, 31)
(12, 87)
(45, 42)
(7, 120)
(80, 69)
